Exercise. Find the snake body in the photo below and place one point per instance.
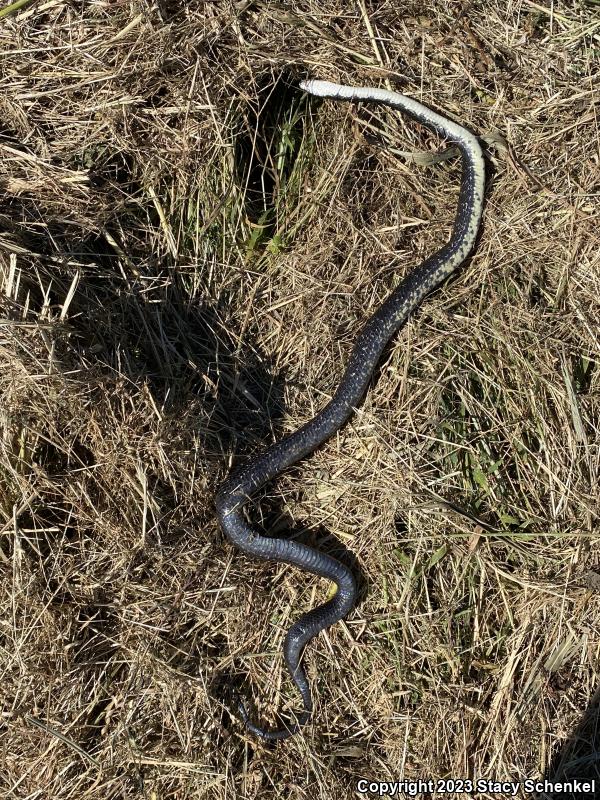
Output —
(235, 492)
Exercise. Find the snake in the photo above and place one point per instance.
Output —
(233, 495)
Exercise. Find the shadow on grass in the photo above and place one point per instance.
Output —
(184, 351)
(579, 759)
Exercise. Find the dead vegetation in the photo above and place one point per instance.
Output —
(188, 246)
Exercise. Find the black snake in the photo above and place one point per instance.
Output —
(239, 487)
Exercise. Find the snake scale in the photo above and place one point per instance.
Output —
(235, 492)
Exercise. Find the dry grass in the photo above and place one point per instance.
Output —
(188, 248)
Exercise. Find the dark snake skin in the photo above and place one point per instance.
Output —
(242, 484)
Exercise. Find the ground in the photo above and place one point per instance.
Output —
(189, 246)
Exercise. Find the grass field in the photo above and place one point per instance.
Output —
(188, 248)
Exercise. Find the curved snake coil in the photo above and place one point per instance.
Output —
(238, 488)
